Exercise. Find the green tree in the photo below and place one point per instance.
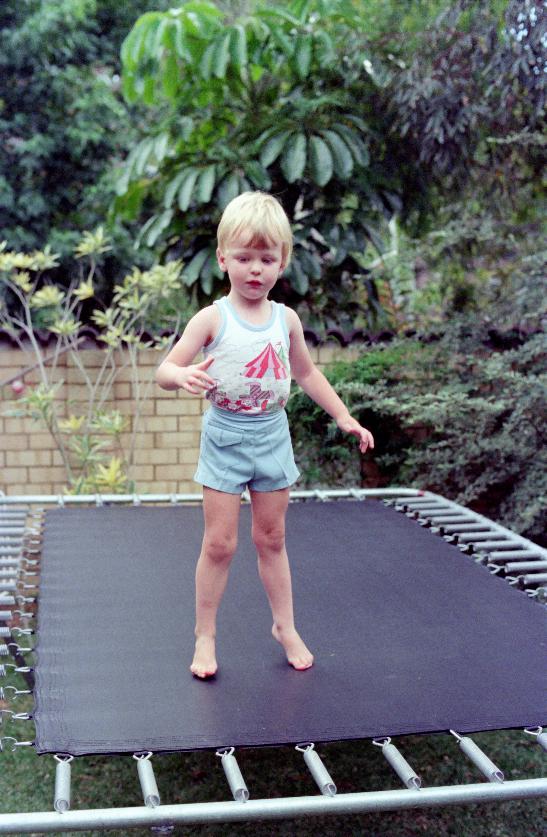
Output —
(63, 121)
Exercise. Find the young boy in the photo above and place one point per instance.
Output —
(252, 346)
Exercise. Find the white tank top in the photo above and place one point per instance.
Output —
(251, 368)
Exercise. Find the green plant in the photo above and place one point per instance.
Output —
(89, 441)
(467, 424)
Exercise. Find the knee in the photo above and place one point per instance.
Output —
(269, 540)
(220, 548)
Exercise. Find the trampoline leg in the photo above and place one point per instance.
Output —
(61, 801)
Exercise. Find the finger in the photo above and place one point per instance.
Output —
(189, 388)
(205, 364)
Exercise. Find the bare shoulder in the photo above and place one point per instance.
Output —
(206, 322)
(294, 323)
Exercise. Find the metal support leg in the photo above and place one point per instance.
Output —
(61, 801)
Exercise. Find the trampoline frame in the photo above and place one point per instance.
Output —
(522, 562)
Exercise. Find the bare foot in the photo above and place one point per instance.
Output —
(298, 655)
(204, 664)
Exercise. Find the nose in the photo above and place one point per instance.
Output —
(256, 267)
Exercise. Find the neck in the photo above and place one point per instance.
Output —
(256, 312)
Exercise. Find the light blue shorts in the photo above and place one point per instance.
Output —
(240, 451)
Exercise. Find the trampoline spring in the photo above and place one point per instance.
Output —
(4, 651)
(2, 670)
(149, 787)
(398, 762)
(233, 774)
(17, 648)
(61, 798)
(16, 693)
(317, 769)
(5, 631)
(479, 759)
(540, 736)
(14, 743)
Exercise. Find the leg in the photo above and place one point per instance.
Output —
(221, 513)
(269, 509)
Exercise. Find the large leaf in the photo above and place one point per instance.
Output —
(145, 149)
(154, 227)
(258, 174)
(193, 268)
(170, 76)
(206, 184)
(302, 55)
(293, 160)
(297, 276)
(341, 155)
(221, 56)
(187, 188)
(173, 187)
(238, 46)
(272, 149)
(321, 165)
(356, 145)
(228, 190)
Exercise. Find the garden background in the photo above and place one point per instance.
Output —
(405, 140)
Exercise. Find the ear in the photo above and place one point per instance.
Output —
(221, 260)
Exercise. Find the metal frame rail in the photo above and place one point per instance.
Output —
(520, 561)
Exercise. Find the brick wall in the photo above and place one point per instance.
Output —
(166, 445)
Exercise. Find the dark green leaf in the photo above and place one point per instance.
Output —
(145, 149)
(206, 184)
(170, 76)
(341, 155)
(299, 280)
(221, 56)
(321, 164)
(173, 187)
(238, 46)
(310, 263)
(186, 189)
(293, 160)
(273, 148)
(206, 276)
(258, 175)
(323, 48)
(154, 227)
(355, 144)
(206, 63)
(303, 54)
(192, 270)
(228, 190)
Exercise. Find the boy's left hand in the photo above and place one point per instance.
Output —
(351, 425)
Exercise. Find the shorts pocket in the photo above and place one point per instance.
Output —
(223, 437)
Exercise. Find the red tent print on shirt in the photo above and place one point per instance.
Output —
(267, 363)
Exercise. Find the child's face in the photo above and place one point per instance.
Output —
(253, 269)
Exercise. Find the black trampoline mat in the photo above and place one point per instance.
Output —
(409, 635)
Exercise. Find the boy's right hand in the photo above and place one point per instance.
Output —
(194, 378)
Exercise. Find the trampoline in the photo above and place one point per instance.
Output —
(424, 617)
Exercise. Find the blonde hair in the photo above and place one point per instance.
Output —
(261, 217)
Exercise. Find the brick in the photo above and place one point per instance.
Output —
(154, 457)
(174, 440)
(14, 489)
(142, 472)
(2, 458)
(28, 457)
(146, 408)
(44, 474)
(10, 475)
(122, 391)
(190, 424)
(188, 455)
(143, 440)
(12, 441)
(161, 424)
(16, 359)
(19, 425)
(174, 472)
(188, 487)
(89, 357)
(41, 441)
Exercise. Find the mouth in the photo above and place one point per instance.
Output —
(254, 283)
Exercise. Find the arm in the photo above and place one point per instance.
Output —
(177, 369)
(313, 382)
